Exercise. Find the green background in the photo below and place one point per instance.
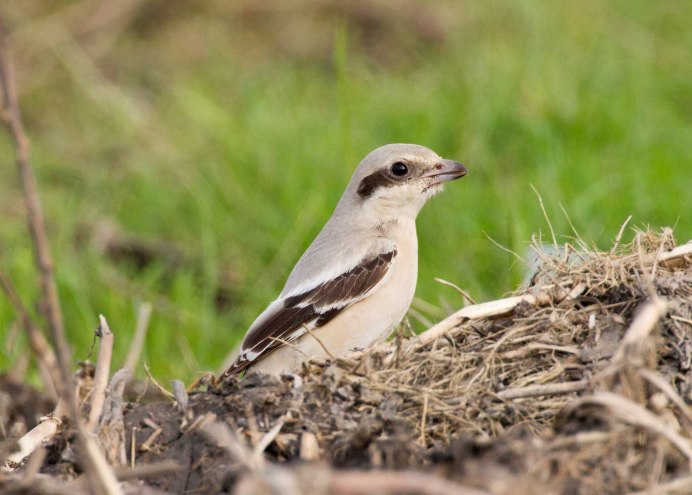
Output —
(188, 152)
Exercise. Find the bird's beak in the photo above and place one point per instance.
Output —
(444, 171)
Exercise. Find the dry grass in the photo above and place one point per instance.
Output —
(468, 377)
(586, 391)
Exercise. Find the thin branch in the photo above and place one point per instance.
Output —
(100, 476)
(143, 315)
(11, 117)
(482, 310)
(47, 360)
(35, 437)
(103, 366)
(544, 389)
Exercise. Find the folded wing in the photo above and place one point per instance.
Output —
(286, 319)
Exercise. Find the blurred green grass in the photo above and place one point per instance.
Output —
(228, 137)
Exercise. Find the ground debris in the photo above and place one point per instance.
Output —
(579, 395)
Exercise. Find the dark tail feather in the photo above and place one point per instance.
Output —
(237, 367)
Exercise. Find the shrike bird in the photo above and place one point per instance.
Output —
(356, 281)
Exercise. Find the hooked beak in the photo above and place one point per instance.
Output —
(445, 171)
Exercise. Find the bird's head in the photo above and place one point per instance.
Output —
(396, 180)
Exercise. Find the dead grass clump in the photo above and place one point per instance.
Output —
(578, 384)
(490, 374)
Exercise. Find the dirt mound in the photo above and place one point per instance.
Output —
(579, 384)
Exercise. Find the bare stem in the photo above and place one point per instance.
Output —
(11, 117)
(47, 361)
(103, 366)
(100, 476)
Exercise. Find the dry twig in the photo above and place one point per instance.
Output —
(543, 389)
(143, 315)
(45, 357)
(35, 438)
(103, 366)
(99, 474)
(11, 117)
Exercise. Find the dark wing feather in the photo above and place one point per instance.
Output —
(319, 305)
(273, 331)
(347, 287)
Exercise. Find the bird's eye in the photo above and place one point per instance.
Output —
(399, 169)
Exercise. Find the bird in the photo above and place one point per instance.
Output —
(356, 280)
